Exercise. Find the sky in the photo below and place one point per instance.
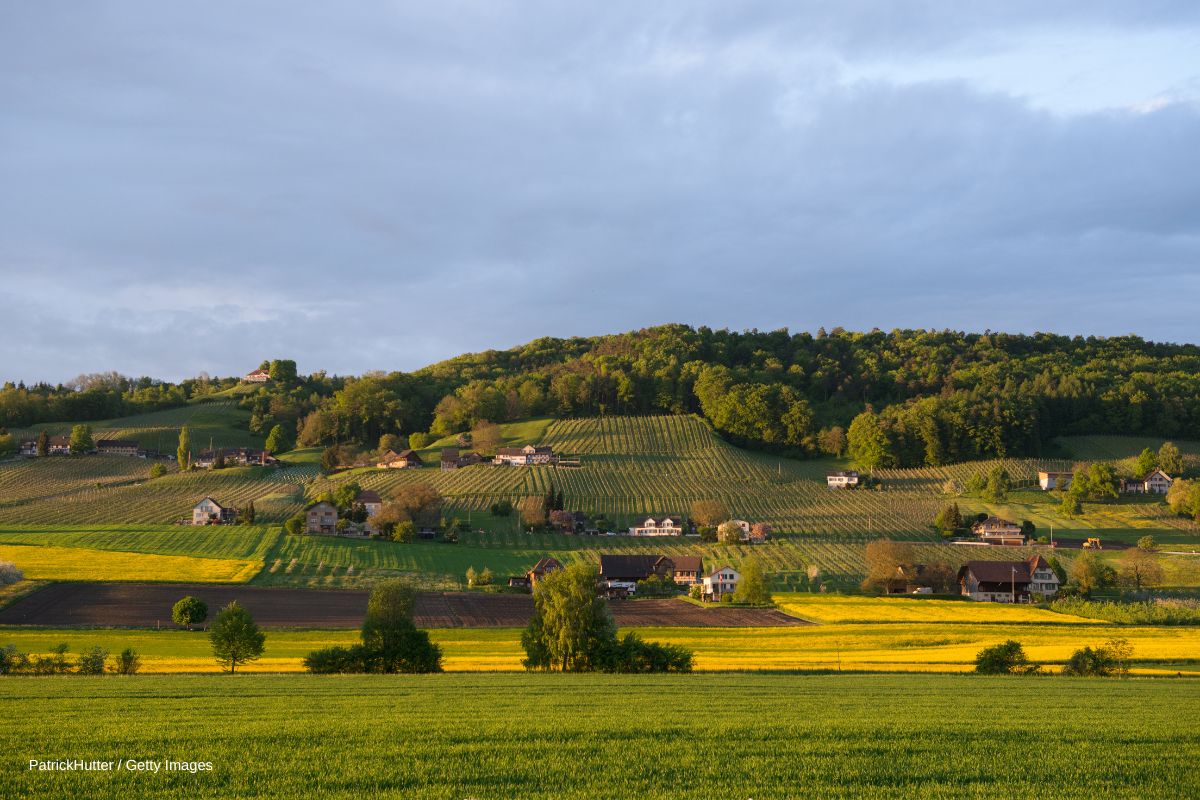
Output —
(195, 187)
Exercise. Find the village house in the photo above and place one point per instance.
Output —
(1157, 482)
(843, 479)
(210, 512)
(525, 456)
(688, 569)
(720, 582)
(58, 446)
(1054, 480)
(118, 447)
(234, 457)
(370, 500)
(258, 376)
(541, 569)
(665, 525)
(995, 530)
(619, 574)
(405, 459)
(321, 518)
(453, 458)
(27, 447)
(908, 580)
(1008, 581)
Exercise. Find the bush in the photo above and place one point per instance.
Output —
(10, 573)
(91, 662)
(404, 532)
(158, 470)
(337, 660)
(189, 611)
(503, 508)
(450, 536)
(295, 525)
(54, 664)
(12, 660)
(390, 641)
(127, 663)
(630, 654)
(1004, 659)
(1087, 662)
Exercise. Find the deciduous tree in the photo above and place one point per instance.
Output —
(236, 638)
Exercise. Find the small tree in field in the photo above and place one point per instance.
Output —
(1004, 659)
(127, 663)
(91, 661)
(729, 533)
(183, 453)
(236, 638)
(157, 471)
(10, 573)
(189, 611)
(752, 588)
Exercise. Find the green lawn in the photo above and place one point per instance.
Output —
(572, 736)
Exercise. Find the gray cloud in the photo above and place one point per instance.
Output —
(199, 187)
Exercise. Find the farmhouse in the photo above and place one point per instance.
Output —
(405, 459)
(843, 479)
(370, 500)
(210, 512)
(620, 574)
(258, 376)
(449, 458)
(541, 569)
(59, 446)
(688, 569)
(665, 525)
(234, 457)
(525, 456)
(720, 581)
(321, 518)
(27, 447)
(117, 447)
(1157, 482)
(1008, 581)
(995, 530)
(907, 580)
(1054, 480)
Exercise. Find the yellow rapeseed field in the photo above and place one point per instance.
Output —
(84, 564)
(836, 608)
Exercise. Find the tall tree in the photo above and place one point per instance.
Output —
(709, 513)
(183, 453)
(867, 442)
(1170, 460)
(1146, 463)
(81, 439)
(43, 444)
(278, 440)
(485, 437)
(752, 588)
(235, 636)
(571, 626)
(1139, 568)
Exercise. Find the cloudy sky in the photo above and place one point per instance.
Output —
(198, 186)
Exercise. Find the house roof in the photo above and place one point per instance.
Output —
(622, 566)
(846, 473)
(547, 564)
(661, 519)
(713, 574)
(998, 571)
(688, 563)
(368, 496)
(115, 443)
(210, 500)
(520, 451)
(324, 503)
(259, 372)
(995, 522)
(449, 454)
(1158, 472)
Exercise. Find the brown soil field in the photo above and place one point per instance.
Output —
(133, 605)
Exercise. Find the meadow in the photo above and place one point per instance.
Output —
(573, 736)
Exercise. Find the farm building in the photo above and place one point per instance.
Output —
(370, 500)
(453, 458)
(405, 459)
(541, 569)
(719, 582)
(842, 479)
(665, 525)
(1157, 482)
(258, 376)
(235, 457)
(1054, 480)
(620, 573)
(525, 456)
(907, 580)
(995, 530)
(210, 512)
(1008, 581)
(688, 569)
(118, 447)
(27, 447)
(321, 518)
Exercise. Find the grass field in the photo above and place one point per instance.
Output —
(564, 737)
(829, 608)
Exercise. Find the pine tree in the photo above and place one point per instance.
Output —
(558, 501)
(43, 444)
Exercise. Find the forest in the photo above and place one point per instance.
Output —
(899, 398)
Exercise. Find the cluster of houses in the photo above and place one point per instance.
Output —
(235, 456)
(1157, 482)
(61, 446)
(990, 581)
(620, 574)
(454, 458)
(677, 525)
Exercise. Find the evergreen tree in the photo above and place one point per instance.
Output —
(248, 514)
(219, 460)
(558, 501)
(43, 444)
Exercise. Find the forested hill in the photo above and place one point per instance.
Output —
(899, 398)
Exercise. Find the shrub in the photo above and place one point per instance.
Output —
(91, 661)
(54, 664)
(631, 654)
(390, 640)
(1004, 659)
(158, 470)
(189, 611)
(1087, 662)
(502, 508)
(12, 660)
(10, 573)
(127, 663)
(405, 532)
(295, 525)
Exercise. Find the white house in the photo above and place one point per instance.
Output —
(666, 525)
(524, 456)
(723, 580)
(1157, 482)
(321, 518)
(258, 376)
(1054, 480)
(1008, 581)
(843, 479)
(210, 512)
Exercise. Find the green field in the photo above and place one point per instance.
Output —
(569, 736)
